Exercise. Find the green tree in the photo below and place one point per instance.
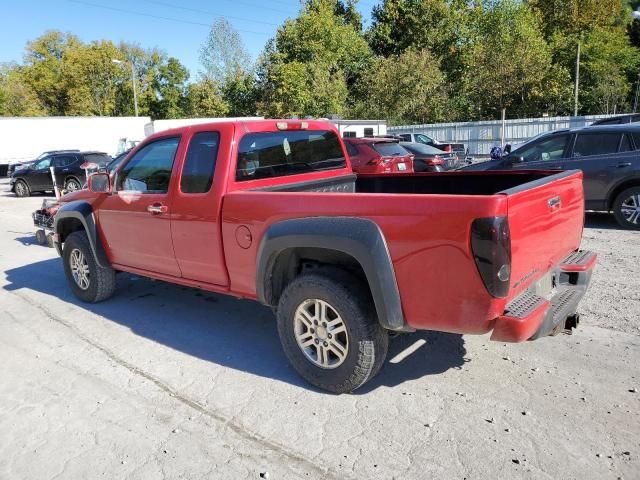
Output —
(169, 90)
(401, 24)
(312, 63)
(17, 98)
(223, 54)
(509, 64)
(204, 100)
(408, 88)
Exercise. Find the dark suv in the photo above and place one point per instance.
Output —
(609, 157)
(36, 177)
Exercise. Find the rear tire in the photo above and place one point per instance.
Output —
(21, 189)
(71, 185)
(626, 208)
(315, 306)
(89, 281)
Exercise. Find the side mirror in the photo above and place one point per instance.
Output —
(100, 183)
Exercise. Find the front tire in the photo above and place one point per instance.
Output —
(329, 330)
(626, 208)
(89, 281)
(21, 189)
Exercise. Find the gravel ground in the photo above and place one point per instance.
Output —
(168, 382)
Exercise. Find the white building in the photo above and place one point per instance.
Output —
(360, 128)
(24, 138)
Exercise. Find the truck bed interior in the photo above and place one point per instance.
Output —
(451, 183)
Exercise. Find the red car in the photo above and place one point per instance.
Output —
(270, 210)
(378, 155)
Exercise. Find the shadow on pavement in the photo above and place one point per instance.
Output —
(601, 220)
(239, 334)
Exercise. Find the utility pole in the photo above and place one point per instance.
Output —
(575, 101)
(635, 102)
(133, 81)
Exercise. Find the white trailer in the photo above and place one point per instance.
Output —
(24, 138)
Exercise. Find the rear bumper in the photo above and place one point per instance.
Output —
(530, 316)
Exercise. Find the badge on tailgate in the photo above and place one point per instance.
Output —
(554, 203)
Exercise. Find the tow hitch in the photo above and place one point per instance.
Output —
(571, 323)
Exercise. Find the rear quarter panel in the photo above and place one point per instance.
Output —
(427, 236)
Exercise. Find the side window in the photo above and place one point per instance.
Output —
(352, 150)
(625, 144)
(368, 132)
(406, 137)
(636, 139)
(42, 164)
(596, 144)
(545, 149)
(200, 163)
(149, 170)
(424, 139)
(349, 135)
(63, 161)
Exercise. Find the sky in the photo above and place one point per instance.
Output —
(180, 32)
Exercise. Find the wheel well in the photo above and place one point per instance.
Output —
(290, 263)
(635, 182)
(72, 177)
(68, 226)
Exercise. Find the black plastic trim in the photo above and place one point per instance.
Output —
(323, 184)
(82, 211)
(359, 238)
(537, 183)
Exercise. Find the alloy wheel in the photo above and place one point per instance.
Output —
(630, 209)
(321, 333)
(79, 268)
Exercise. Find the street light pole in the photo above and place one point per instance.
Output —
(575, 100)
(133, 81)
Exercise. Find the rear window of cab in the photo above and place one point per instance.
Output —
(278, 154)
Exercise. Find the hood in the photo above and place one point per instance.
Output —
(84, 194)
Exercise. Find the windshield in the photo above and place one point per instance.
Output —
(421, 149)
(275, 154)
(115, 163)
(390, 149)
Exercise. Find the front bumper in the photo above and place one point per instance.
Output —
(530, 316)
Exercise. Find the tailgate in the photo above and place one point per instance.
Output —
(546, 218)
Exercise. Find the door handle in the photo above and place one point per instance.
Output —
(157, 209)
(65, 170)
(622, 165)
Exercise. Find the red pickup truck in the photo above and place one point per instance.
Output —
(270, 210)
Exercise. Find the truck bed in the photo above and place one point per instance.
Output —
(428, 237)
(442, 183)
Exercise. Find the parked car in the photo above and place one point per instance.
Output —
(22, 165)
(458, 148)
(271, 210)
(430, 159)
(378, 155)
(618, 120)
(609, 156)
(36, 177)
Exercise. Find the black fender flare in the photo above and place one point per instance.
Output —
(359, 238)
(83, 212)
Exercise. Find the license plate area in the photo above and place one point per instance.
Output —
(402, 166)
(546, 287)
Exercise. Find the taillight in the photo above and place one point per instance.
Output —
(435, 161)
(491, 246)
(379, 160)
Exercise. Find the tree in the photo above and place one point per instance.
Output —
(312, 63)
(169, 90)
(17, 98)
(573, 17)
(509, 64)
(408, 88)
(401, 24)
(223, 54)
(205, 101)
